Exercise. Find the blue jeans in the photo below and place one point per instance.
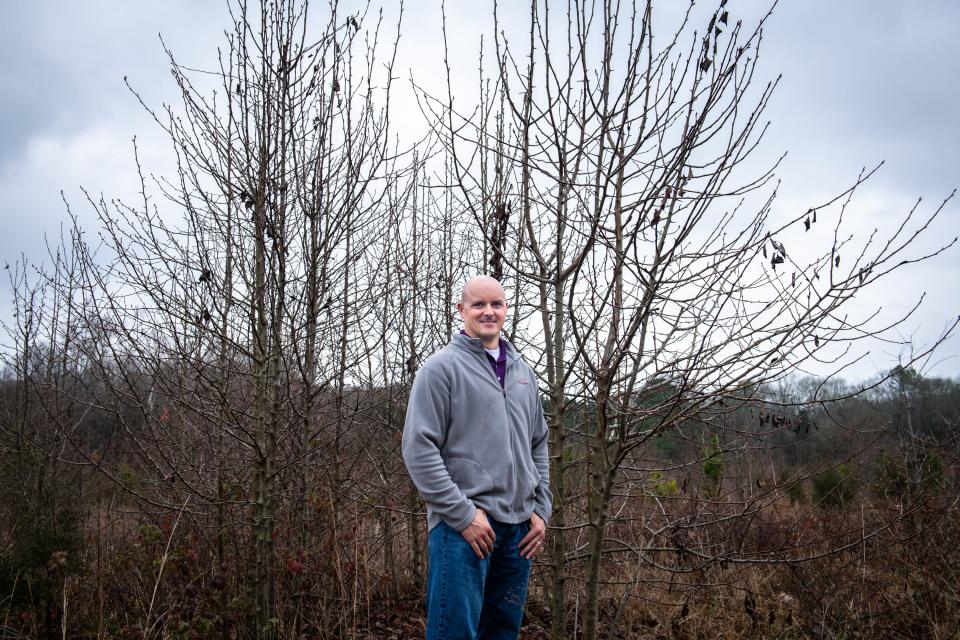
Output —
(469, 598)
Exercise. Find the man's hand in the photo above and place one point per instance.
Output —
(533, 542)
(480, 535)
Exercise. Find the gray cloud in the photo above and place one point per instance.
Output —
(30, 82)
(863, 81)
(870, 81)
(68, 60)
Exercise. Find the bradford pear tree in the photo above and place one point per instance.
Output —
(230, 295)
(609, 167)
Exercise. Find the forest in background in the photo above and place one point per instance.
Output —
(202, 399)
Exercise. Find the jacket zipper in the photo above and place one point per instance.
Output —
(506, 416)
(513, 451)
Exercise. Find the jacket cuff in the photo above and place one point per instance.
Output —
(543, 513)
(459, 524)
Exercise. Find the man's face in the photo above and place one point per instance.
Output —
(483, 309)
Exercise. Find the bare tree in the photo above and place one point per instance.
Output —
(229, 330)
(653, 276)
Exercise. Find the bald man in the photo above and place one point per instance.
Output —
(475, 445)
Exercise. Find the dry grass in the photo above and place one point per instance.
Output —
(903, 582)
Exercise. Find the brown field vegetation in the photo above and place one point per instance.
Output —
(866, 553)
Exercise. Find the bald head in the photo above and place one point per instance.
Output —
(477, 283)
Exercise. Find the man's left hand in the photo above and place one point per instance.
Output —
(533, 542)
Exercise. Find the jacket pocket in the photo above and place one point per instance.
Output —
(469, 476)
(530, 480)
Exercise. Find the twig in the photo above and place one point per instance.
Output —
(163, 562)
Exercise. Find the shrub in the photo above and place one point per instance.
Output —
(834, 487)
(661, 487)
(920, 472)
(713, 466)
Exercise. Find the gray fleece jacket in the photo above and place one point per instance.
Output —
(469, 443)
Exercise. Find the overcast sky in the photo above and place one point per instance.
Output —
(864, 81)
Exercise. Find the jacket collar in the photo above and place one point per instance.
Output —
(475, 344)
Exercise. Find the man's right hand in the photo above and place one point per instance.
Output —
(480, 535)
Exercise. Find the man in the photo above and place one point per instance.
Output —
(475, 444)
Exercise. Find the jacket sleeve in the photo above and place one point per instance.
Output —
(424, 432)
(541, 458)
